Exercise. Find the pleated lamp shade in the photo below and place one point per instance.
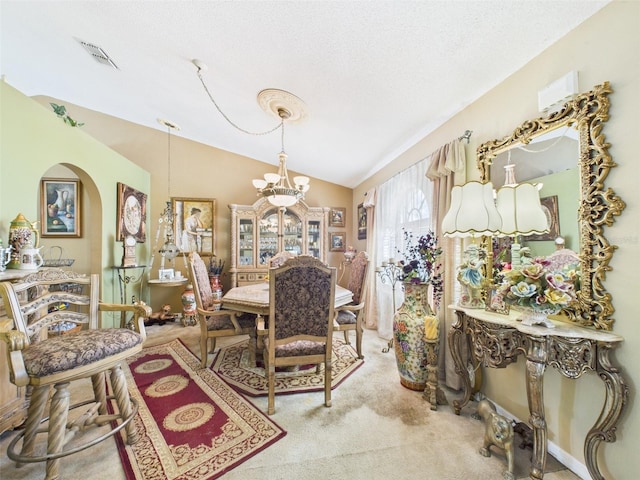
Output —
(520, 210)
(472, 212)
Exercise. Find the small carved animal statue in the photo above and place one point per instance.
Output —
(164, 315)
(499, 432)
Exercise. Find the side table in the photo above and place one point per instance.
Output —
(126, 276)
(187, 320)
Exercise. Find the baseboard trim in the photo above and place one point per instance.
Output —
(568, 460)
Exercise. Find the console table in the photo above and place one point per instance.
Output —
(496, 341)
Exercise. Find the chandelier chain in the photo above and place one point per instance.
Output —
(280, 125)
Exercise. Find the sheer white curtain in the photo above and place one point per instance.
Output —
(402, 202)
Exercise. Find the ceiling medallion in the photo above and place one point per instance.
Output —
(273, 100)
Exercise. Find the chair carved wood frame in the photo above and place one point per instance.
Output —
(300, 324)
(213, 321)
(350, 317)
(39, 361)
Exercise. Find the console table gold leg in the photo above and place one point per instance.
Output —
(456, 335)
(615, 402)
(536, 364)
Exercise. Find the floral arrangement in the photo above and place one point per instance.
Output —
(420, 261)
(215, 266)
(536, 286)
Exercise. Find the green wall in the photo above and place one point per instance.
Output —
(566, 186)
(32, 141)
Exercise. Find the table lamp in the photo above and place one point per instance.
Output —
(472, 214)
(522, 215)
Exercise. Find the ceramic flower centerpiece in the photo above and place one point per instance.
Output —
(539, 291)
(415, 326)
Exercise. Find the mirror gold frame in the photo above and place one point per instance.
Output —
(598, 203)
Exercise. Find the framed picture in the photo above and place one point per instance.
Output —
(362, 222)
(495, 303)
(194, 224)
(336, 217)
(60, 208)
(550, 208)
(166, 274)
(132, 214)
(337, 241)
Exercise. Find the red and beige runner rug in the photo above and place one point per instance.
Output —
(193, 425)
(232, 363)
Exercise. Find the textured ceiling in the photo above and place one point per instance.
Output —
(376, 76)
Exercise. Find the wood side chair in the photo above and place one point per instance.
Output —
(38, 358)
(300, 323)
(350, 317)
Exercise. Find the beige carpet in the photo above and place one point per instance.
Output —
(376, 429)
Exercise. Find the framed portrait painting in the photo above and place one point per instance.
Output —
(194, 224)
(362, 222)
(132, 214)
(336, 217)
(60, 207)
(337, 241)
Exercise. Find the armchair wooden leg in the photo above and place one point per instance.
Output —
(346, 337)
(100, 391)
(327, 383)
(203, 351)
(59, 411)
(121, 393)
(271, 383)
(213, 345)
(359, 341)
(38, 402)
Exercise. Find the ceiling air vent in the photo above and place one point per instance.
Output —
(97, 53)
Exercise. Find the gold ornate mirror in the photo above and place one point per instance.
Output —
(597, 204)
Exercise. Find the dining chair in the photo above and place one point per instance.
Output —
(300, 323)
(350, 317)
(53, 338)
(214, 323)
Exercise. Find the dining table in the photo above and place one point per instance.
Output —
(254, 299)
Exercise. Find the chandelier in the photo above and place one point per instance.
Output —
(275, 187)
(169, 250)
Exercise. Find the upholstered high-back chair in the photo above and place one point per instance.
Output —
(350, 317)
(300, 324)
(214, 322)
(40, 308)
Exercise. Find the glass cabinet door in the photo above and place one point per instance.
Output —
(268, 246)
(314, 242)
(292, 234)
(245, 242)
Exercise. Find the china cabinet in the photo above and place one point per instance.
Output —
(261, 230)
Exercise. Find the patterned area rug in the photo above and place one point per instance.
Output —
(232, 363)
(193, 425)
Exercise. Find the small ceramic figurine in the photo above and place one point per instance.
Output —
(161, 317)
(499, 432)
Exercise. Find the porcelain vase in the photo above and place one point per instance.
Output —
(188, 299)
(216, 291)
(411, 323)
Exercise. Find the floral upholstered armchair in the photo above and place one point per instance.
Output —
(213, 322)
(53, 338)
